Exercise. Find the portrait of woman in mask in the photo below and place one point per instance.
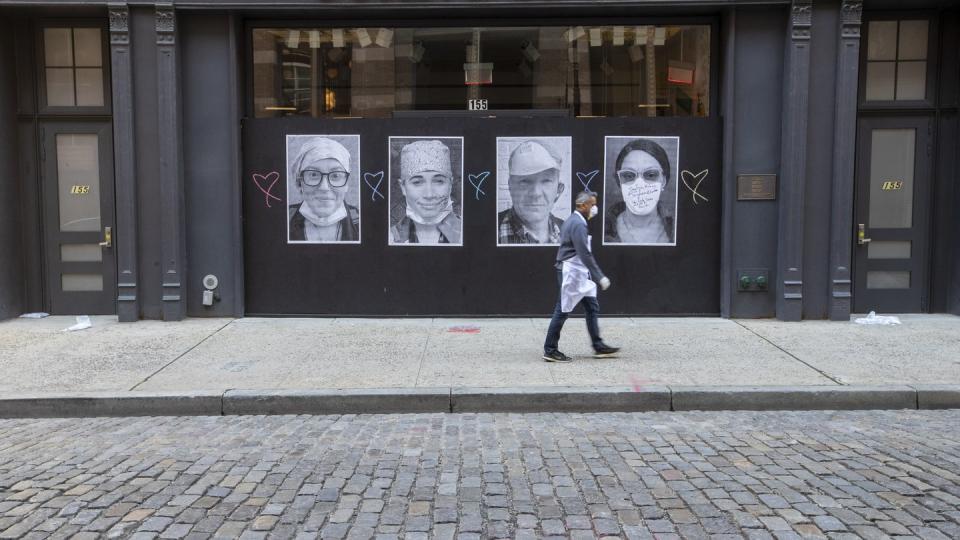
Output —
(643, 174)
(320, 182)
(426, 191)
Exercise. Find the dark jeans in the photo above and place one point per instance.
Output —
(590, 306)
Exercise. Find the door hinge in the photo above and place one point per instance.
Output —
(43, 145)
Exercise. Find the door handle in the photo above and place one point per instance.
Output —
(862, 235)
(107, 237)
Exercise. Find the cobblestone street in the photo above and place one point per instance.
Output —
(654, 475)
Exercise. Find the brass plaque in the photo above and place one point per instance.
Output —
(756, 187)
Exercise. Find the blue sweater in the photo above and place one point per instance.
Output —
(573, 241)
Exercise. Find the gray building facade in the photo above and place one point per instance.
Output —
(804, 164)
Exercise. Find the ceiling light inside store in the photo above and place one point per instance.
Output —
(636, 53)
(363, 37)
(530, 51)
(338, 37)
(384, 37)
(574, 33)
(659, 36)
(618, 35)
(596, 37)
(410, 51)
(293, 39)
(640, 35)
(314, 39)
(477, 73)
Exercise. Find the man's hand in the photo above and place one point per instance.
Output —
(604, 283)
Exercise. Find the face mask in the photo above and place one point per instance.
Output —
(430, 221)
(641, 197)
(594, 211)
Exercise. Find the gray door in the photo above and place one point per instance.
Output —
(78, 201)
(892, 214)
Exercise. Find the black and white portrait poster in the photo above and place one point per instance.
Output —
(426, 191)
(640, 191)
(323, 189)
(533, 189)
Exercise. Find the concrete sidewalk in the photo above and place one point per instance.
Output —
(211, 357)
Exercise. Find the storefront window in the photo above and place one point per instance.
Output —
(582, 70)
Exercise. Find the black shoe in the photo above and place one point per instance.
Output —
(557, 356)
(605, 351)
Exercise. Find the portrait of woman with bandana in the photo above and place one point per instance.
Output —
(425, 197)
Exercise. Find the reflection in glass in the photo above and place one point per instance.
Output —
(87, 46)
(589, 71)
(913, 40)
(881, 279)
(78, 177)
(891, 178)
(882, 41)
(57, 47)
(888, 249)
(60, 87)
(880, 81)
(911, 80)
(81, 253)
(81, 282)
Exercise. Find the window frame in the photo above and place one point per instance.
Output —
(41, 71)
(711, 21)
(930, 91)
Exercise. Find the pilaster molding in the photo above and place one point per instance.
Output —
(124, 164)
(165, 24)
(173, 240)
(793, 163)
(844, 156)
(801, 19)
(851, 15)
(119, 16)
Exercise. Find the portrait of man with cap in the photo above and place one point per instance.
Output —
(535, 181)
(423, 211)
(320, 171)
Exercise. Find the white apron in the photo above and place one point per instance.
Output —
(576, 283)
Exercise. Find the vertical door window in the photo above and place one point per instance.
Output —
(73, 67)
(78, 176)
(891, 178)
(897, 60)
(892, 181)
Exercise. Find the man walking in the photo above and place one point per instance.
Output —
(576, 269)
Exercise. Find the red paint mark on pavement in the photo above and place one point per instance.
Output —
(464, 329)
(638, 383)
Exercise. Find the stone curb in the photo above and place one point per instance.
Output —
(460, 399)
(200, 403)
(560, 399)
(778, 398)
(937, 396)
(334, 401)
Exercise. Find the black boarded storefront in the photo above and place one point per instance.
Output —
(790, 92)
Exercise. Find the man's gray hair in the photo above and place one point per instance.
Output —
(584, 197)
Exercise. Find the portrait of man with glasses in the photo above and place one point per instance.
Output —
(426, 191)
(640, 175)
(323, 189)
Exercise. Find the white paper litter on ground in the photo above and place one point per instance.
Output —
(873, 318)
(36, 315)
(83, 321)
